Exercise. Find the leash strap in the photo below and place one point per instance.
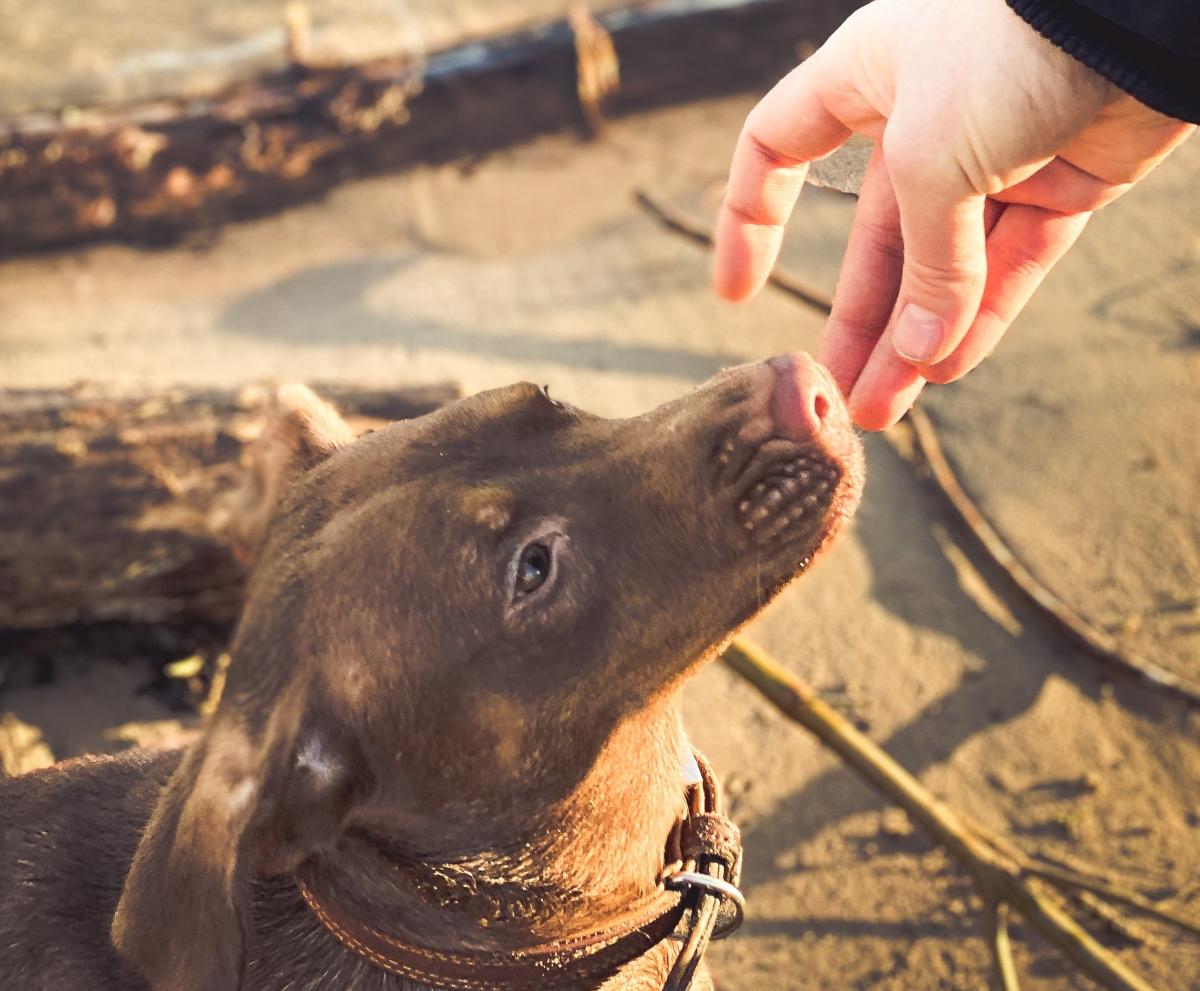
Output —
(712, 850)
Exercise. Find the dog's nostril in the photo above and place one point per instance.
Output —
(820, 406)
(802, 399)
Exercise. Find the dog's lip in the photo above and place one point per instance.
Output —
(787, 493)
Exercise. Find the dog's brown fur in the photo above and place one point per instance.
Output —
(457, 762)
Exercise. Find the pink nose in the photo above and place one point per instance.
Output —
(803, 397)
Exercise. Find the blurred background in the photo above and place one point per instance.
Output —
(400, 200)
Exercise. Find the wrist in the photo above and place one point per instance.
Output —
(1160, 77)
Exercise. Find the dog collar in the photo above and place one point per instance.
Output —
(696, 901)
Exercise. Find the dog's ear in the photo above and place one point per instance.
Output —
(271, 780)
(242, 803)
(301, 430)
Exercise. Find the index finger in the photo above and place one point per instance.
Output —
(788, 129)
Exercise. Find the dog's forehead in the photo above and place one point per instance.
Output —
(500, 427)
(521, 405)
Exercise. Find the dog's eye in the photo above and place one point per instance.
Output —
(533, 569)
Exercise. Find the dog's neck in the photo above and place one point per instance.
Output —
(506, 878)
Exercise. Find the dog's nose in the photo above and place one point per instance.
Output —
(802, 398)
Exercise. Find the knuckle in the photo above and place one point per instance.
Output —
(935, 155)
(941, 279)
(914, 159)
(1023, 269)
(754, 214)
(1020, 263)
(769, 157)
(883, 238)
(848, 330)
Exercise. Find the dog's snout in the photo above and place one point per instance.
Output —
(802, 397)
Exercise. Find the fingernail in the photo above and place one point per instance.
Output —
(918, 334)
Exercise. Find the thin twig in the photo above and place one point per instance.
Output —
(1095, 641)
(1114, 893)
(1056, 924)
(1002, 955)
(1112, 920)
(1003, 877)
(1058, 858)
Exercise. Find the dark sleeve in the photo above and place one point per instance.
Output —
(1149, 48)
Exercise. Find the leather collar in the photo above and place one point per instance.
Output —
(696, 900)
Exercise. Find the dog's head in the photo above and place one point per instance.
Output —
(466, 606)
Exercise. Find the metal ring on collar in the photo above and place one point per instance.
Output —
(728, 893)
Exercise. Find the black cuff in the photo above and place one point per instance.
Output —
(1163, 79)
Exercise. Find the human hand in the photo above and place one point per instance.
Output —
(993, 148)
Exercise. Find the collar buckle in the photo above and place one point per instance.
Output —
(731, 912)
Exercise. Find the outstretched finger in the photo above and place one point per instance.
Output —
(788, 129)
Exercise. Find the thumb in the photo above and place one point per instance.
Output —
(945, 261)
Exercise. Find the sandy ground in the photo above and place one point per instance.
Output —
(1078, 438)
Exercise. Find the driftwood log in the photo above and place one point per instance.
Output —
(152, 170)
(110, 507)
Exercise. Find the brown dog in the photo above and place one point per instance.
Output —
(453, 709)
